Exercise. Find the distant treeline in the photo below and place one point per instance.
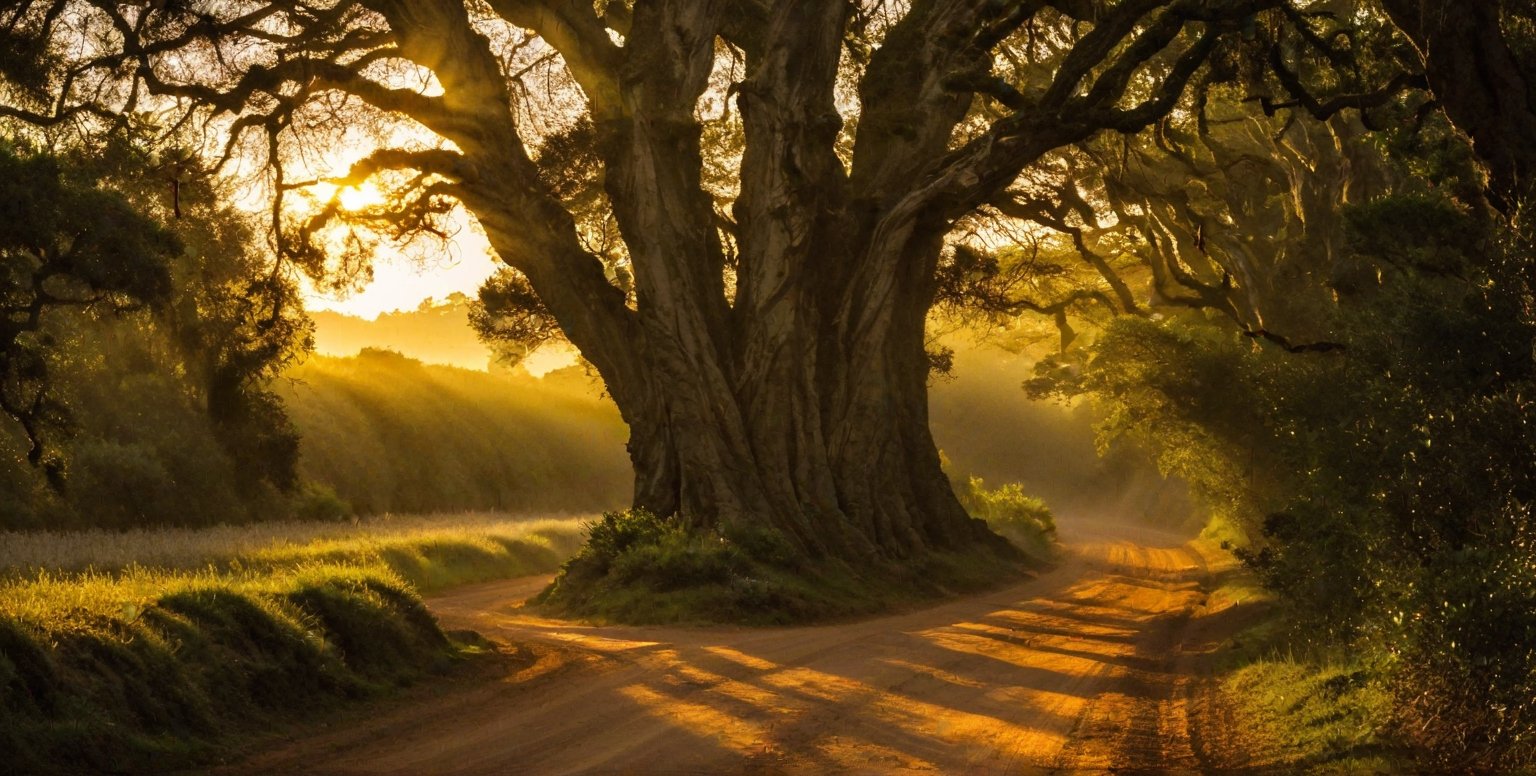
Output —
(390, 434)
(377, 432)
(437, 332)
(987, 428)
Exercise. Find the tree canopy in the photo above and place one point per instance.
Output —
(742, 213)
(1292, 231)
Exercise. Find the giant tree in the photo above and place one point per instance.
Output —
(769, 354)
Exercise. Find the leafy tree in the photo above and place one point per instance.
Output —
(1478, 59)
(238, 322)
(64, 243)
(770, 360)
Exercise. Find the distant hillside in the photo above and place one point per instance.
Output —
(437, 332)
(391, 434)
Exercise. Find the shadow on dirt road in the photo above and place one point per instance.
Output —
(1095, 666)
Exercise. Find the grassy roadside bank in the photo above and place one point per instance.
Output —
(1287, 707)
(111, 665)
(639, 569)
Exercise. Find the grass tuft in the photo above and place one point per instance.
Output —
(637, 568)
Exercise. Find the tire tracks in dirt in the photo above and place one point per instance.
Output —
(1099, 665)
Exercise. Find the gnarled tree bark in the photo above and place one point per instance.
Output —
(789, 389)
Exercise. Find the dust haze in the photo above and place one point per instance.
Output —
(988, 428)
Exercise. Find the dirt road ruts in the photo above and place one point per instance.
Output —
(1092, 667)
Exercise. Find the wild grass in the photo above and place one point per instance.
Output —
(636, 568)
(1302, 709)
(150, 669)
(1317, 715)
(429, 551)
(147, 650)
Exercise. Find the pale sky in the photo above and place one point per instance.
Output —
(401, 280)
(401, 283)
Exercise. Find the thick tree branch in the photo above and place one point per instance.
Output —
(1487, 91)
(573, 29)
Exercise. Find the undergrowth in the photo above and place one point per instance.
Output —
(1302, 708)
(1325, 716)
(431, 553)
(1022, 519)
(638, 568)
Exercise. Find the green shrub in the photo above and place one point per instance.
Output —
(1386, 481)
(638, 551)
(615, 533)
(123, 484)
(636, 567)
(317, 502)
(1020, 518)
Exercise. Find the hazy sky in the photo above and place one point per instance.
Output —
(401, 282)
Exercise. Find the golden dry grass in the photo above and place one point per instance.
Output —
(33, 554)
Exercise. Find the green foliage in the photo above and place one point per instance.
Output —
(639, 568)
(166, 398)
(146, 669)
(65, 244)
(317, 502)
(510, 319)
(633, 559)
(378, 433)
(1020, 518)
(1388, 484)
(1313, 716)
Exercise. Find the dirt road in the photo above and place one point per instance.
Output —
(1092, 667)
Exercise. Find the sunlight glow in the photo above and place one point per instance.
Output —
(352, 198)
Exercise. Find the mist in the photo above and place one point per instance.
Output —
(987, 427)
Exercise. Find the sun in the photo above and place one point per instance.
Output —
(351, 198)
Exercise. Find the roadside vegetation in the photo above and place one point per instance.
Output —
(1285, 706)
(373, 434)
(154, 649)
(1398, 543)
(151, 670)
(1022, 519)
(638, 568)
(1283, 247)
(428, 551)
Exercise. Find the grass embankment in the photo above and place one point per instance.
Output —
(128, 668)
(1298, 709)
(637, 568)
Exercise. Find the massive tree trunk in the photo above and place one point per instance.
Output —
(801, 404)
(798, 402)
(788, 388)
(1487, 90)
